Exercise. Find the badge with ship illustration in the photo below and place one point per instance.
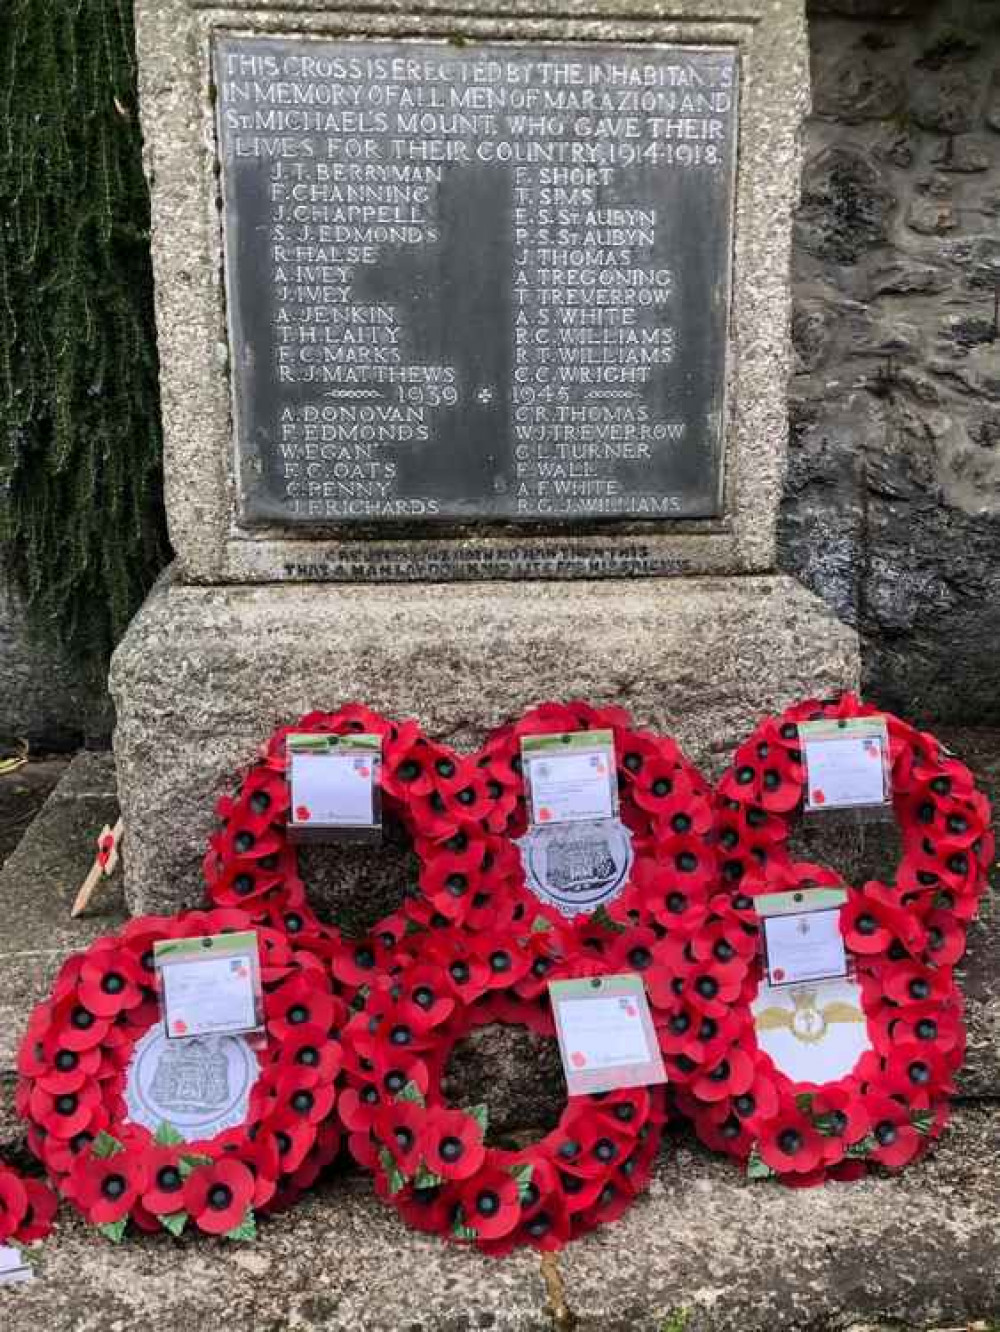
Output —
(577, 867)
(814, 1033)
(200, 1086)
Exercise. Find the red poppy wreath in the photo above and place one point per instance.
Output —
(944, 822)
(826, 1081)
(431, 1160)
(464, 813)
(171, 1133)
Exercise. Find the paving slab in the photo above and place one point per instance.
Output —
(38, 884)
(919, 1250)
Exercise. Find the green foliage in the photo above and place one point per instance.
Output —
(81, 517)
(677, 1320)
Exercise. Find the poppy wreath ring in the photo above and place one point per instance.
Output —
(943, 819)
(430, 1160)
(894, 1032)
(248, 1129)
(463, 813)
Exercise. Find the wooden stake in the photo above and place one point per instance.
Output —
(105, 864)
(562, 1315)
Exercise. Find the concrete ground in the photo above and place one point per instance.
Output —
(704, 1250)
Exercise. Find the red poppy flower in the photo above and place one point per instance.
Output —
(731, 1076)
(42, 1206)
(13, 1203)
(788, 1143)
(726, 946)
(408, 765)
(110, 981)
(897, 1142)
(718, 1126)
(909, 982)
(659, 785)
(65, 1114)
(872, 919)
(299, 1003)
(939, 1025)
(452, 1144)
(398, 1126)
(427, 1209)
(105, 1189)
(308, 1047)
(490, 1203)
(916, 1071)
(218, 1196)
(941, 774)
(164, 1191)
(945, 937)
(841, 1117)
(300, 1092)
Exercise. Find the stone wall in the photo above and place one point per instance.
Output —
(42, 698)
(892, 501)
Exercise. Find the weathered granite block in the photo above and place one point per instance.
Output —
(205, 674)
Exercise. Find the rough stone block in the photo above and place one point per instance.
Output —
(204, 674)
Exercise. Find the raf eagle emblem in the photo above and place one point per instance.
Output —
(807, 1021)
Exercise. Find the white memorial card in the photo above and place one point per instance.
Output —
(807, 946)
(570, 777)
(332, 788)
(606, 1034)
(209, 986)
(847, 763)
(14, 1270)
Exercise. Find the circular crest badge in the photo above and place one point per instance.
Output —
(199, 1086)
(577, 867)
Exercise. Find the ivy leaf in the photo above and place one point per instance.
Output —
(757, 1167)
(827, 1125)
(804, 1101)
(167, 1136)
(606, 922)
(113, 1230)
(175, 1222)
(104, 1145)
(522, 1177)
(481, 1114)
(862, 1148)
(395, 1177)
(459, 1229)
(426, 1179)
(246, 1230)
(191, 1161)
(411, 1092)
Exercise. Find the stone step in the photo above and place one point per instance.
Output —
(920, 1250)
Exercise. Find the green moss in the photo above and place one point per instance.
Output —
(676, 1321)
(81, 516)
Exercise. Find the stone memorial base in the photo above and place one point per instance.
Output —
(205, 673)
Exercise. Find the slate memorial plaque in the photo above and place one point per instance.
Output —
(476, 284)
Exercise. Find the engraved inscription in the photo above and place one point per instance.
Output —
(479, 283)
